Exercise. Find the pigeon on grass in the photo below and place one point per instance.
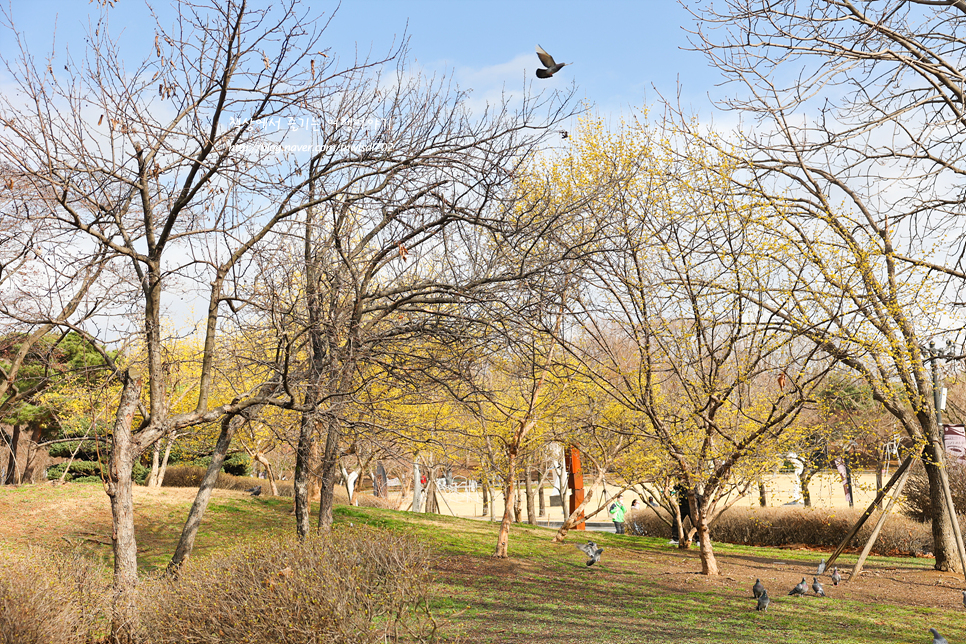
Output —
(758, 589)
(763, 601)
(800, 589)
(591, 550)
(817, 587)
(937, 638)
(836, 577)
(964, 598)
(821, 567)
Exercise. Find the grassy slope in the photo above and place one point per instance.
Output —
(642, 591)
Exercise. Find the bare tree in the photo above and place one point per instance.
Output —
(165, 177)
(857, 137)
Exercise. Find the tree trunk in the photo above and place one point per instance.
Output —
(155, 466)
(531, 510)
(330, 467)
(119, 487)
(709, 566)
(485, 487)
(417, 485)
(944, 541)
(762, 494)
(541, 501)
(503, 540)
(803, 480)
(261, 458)
(303, 469)
(190, 530)
(517, 504)
(12, 462)
(165, 459)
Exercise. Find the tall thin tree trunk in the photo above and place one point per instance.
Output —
(12, 462)
(303, 469)
(517, 505)
(190, 530)
(762, 494)
(165, 459)
(531, 510)
(485, 487)
(542, 503)
(503, 540)
(155, 465)
(330, 468)
(261, 458)
(119, 487)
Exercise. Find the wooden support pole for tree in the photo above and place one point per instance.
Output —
(575, 481)
(950, 505)
(865, 515)
(878, 526)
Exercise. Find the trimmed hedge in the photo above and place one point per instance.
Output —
(812, 527)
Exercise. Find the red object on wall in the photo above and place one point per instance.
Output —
(575, 481)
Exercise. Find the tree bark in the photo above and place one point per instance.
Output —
(944, 541)
(12, 461)
(303, 469)
(190, 530)
(119, 487)
(503, 540)
(330, 468)
(485, 486)
(261, 458)
(531, 510)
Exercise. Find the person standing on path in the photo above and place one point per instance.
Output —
(617, 511)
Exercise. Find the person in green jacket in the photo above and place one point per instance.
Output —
(617, 511)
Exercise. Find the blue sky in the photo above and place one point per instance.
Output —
(623, 52)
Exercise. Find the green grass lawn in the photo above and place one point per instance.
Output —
(642, 591)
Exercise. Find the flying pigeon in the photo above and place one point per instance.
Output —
(817, 587)
(937, 638)
(836, 578)
(592, 551)
(548, 62)
(800, 589)
(763, 601)
(758, 589)
(821, 567)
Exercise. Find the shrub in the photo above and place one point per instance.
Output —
(916, 501)
(815, 527)
(51, 598)
(357, 585)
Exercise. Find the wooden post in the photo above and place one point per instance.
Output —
(575, 481)
(865, 515)
(878, 526)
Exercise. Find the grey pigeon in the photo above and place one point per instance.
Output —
(836, 578)
(256, 491)
(800, 589)
(763, 601)
(964, 598)
(817, 587)
(591, 550)
(821, 567)
(548, 62)
(758, 589)
(937, 638)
